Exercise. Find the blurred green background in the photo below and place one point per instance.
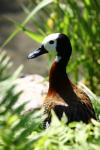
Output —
(23, 25)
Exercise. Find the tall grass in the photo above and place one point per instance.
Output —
(23, 131)
(80, 20)
(20, 130)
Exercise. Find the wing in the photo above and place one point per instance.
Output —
(76, 112)
(84, 98)
(50, 104)
(79, 110)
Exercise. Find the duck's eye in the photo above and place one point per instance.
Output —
(51, 42)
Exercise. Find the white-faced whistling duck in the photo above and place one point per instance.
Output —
(63, 96)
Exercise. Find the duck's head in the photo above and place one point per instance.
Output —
(56, 43)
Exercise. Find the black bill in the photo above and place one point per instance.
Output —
(37, 52)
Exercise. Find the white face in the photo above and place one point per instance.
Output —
(50, 42)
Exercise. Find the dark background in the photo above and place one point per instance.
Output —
(21, 45)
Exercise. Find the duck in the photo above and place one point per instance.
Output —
(63, 97)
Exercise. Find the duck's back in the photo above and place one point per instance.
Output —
(78, 110)
(85, 100)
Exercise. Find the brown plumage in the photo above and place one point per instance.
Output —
(63, 96)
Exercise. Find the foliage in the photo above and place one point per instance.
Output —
(21, 130)
(80, 20)
(14, 124)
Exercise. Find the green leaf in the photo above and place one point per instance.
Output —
(40, 6)
(37, 37)
(37, 8)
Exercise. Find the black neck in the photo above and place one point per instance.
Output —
(57, 74)
(59, 81)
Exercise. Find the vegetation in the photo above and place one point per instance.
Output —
(23, 131)
(80, 20)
